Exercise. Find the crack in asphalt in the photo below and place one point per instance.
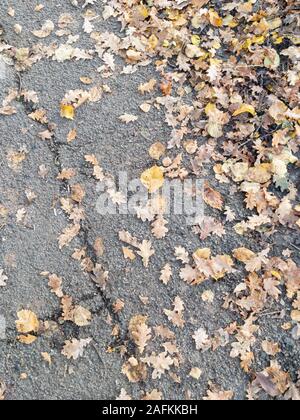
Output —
(54, 148)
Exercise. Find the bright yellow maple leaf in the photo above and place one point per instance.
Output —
(153, 178)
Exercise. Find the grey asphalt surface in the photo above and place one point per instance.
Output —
(27, 251)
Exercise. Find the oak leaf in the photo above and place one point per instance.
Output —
(166, 274)
(73, 349)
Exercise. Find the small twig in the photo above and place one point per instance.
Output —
(145, 137)
(98, 354)
(245, 143)
(295, 246)
(20, 82)
(269, 313)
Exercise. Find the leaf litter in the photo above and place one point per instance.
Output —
(240, 63)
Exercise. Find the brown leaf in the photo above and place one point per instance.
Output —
(212, 197)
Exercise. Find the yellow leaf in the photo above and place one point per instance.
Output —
(278, 39)
(27, 322)
(243, 254)
(153, 178)
(276, 274)
(210, 109)
(204, 253)
(67, 111)
(245, 108)
(215, 19)
(153, 42)
(260, 173)
(143, 11)
(196, 40)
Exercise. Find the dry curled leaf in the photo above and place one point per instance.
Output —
(45, 30)
(27, 322)
(212, 197)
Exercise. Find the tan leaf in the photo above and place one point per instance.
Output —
(72, 135)
(78, 193)
(176, 315)
(99, 247)
(128, 253)
(27, 339)
(69, 233)
(141, 336)
(47, 358)
(157, 150)
(147, 87)
(201, 339)
(212, 197)
(243, 254)
(182, 255)
(166, 274)
(2, 390)
(160, 363)
(66, 174)
(135, 370)
(128, 118)
(118, 306)
(55, 283)
(123, 396)
(74, 349)
(154, 395)
(81, 316)
(195, 373)
(146, 252)
(216, 394)
(270, 347)
(45, 30)
(27, 322)
(159, 228)
(3, 278)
